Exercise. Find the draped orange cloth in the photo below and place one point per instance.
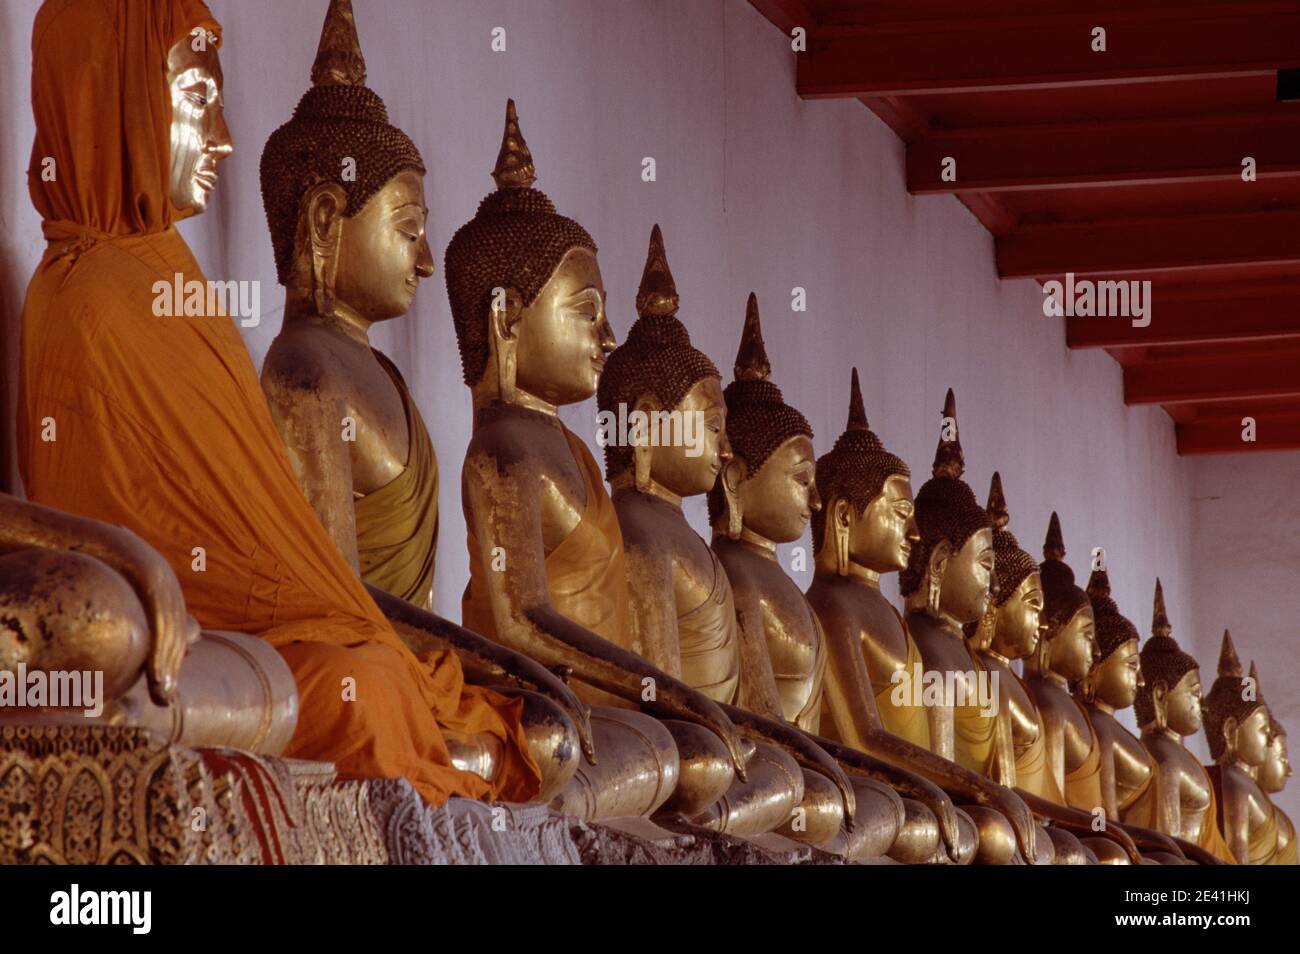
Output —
(159, 424)
(586, 575)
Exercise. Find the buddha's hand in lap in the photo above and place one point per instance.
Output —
(171, 628)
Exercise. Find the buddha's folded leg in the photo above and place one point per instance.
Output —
(1069, 850)
(1045, 846)
(1108, 852)
(233, 690)
(551, 737)
(819, 818)
(997, 839)
(636, 768)
(762, 803)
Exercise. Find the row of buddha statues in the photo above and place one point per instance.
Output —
(231, 551)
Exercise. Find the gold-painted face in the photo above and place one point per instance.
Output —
(1075, 645)
(967, 577)
(1252, 737)
(564, 336)
(689, 470)
(1117, 678)
(1018, 621)
(1183, 705)
(778, 501)
(1277, 766)
(383, 251)
(199, 135)
(882, 536)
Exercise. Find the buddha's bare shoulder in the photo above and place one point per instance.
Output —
(508, 437)
(306, 359)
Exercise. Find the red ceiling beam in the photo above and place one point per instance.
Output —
(1129, 245)
(1131, 152)
(1223, 434)
(1198, 380)
(785, 14)
(964, 54)
(1215, 316)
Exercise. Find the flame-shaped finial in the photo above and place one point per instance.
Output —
(857, 412)
(1160, 625)
(751, 359)
(658, 293)
(514, 168)
(338, 57)
(1229, 663)
(1259, 690)
(1054, 543)
(948, 458)
(1098, 584)
(997, 505)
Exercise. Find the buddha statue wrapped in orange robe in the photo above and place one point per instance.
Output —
(156, 421)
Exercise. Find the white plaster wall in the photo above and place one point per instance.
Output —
(1245, 555)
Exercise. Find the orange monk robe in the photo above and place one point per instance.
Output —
(159, 423)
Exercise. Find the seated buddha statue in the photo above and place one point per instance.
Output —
(765, 496)
(1168, 709)
(865, 529)
(548, 573)
(79, 595)
(350, 251)
(163, 429)
(1237, 728)
(1010, 630)
(1127, 773)
(1272, 776)
(683, 614)
(344, 197)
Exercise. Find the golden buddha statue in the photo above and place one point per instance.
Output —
(1168, 708)
(765, 495)
(1127, 771)
(1009, 630)
(350, 250)
(344, 197)
(1237, 728)
(865, 529)
(683, 614)
(547, 567)
(1272, 776)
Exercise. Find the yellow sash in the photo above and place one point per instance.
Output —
(1083, 785)
(586, 575)
(906, 721)
(975, 735)
(397, 525)
(709, 641)
(1286, 851)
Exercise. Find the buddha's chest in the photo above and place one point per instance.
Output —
(1132, 764)
(375, 427)
(1067, 724)
(942, 650)
(884, 641)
